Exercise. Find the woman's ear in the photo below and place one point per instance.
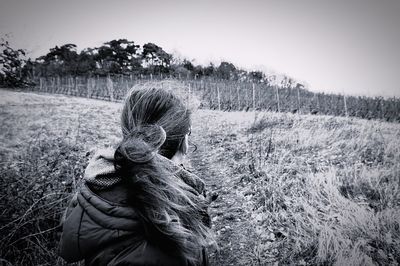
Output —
(185, 145)
(178, 157)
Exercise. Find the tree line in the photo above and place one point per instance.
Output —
(124, 58)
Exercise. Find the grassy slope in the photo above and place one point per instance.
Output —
(292, 189)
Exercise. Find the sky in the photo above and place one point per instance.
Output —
(342, 46)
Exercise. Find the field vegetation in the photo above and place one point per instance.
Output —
(292, 189)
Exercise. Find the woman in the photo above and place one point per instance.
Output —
(137, 206)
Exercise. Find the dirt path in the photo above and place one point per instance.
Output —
(230, 220)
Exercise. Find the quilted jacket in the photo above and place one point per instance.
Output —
(100, 228)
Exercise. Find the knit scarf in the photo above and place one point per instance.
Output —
(101, 173)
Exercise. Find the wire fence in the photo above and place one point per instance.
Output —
(232, 95)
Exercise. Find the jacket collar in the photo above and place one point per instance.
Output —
(100, 172)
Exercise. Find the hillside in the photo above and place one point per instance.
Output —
(293, 189)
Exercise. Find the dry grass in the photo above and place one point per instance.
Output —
(46, 142)
(293, 189)
(312, 189)
(325, 190)
(31, 203)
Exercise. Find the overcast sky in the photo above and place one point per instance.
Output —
(345, 46)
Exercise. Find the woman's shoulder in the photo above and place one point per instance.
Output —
(93, 222)
(149, 251)
(117, 194)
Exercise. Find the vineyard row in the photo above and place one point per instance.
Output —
(233, 95)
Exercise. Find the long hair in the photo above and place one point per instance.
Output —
(154, 122)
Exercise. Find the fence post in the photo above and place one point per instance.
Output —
(219, 99)
(75, 92)
(247, 97)
(96, 86)
(277, 98)
(58, 83)
(210, 89)
(318, 104)
(298, 100)
(238, 97)
(65, 86)
(89, 87)
(69, 85)
(53, 81)
(127, 85)
(230, 97)
(188, 97)
(110, 88)
(345, 105)
(254, 97)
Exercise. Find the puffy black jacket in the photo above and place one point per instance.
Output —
(102, 229)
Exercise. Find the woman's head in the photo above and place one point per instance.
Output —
(155, 121)
(158, 115)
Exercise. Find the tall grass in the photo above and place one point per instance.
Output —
(37, 183)
(330, 191)
(46, 142)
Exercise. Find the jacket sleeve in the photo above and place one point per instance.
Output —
(69, 247)
(71, 205)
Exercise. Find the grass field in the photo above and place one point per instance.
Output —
(293, 189)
